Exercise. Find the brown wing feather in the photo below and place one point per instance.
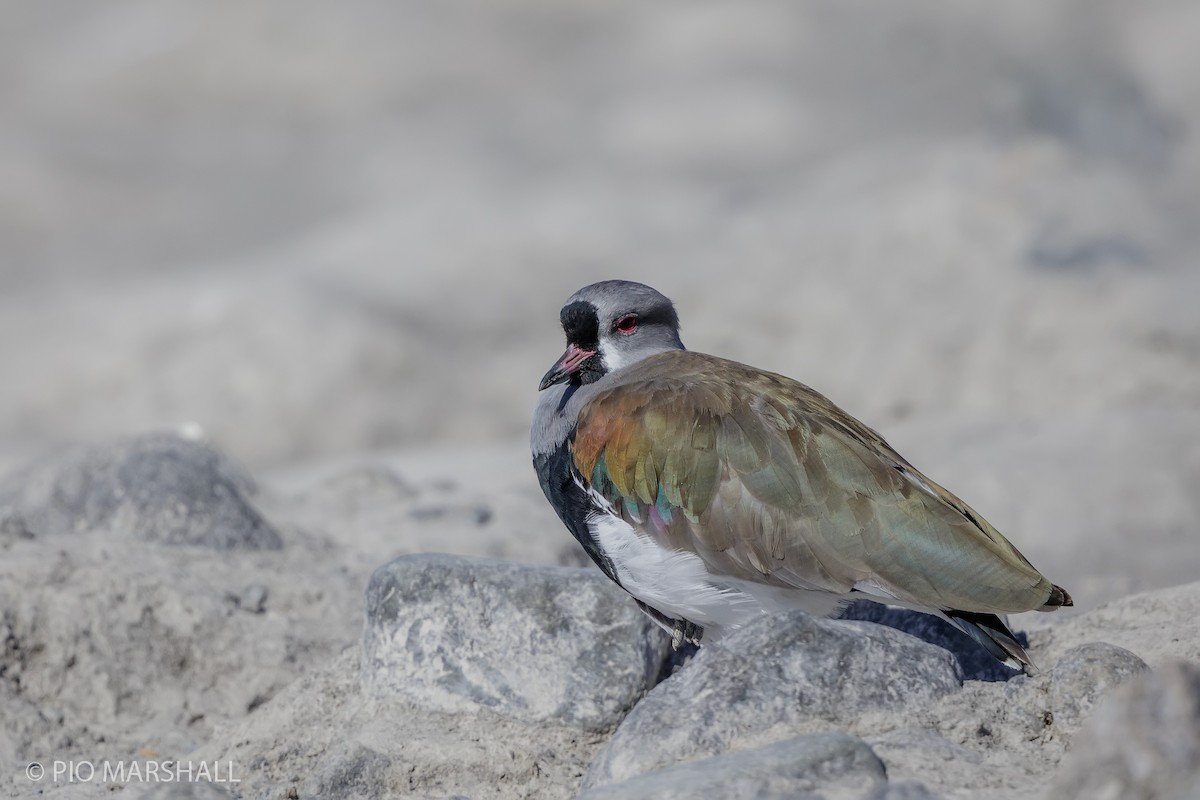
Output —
(767, 480)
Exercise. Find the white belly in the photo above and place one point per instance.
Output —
(679, 584)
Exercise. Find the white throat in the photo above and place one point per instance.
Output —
(614, 359)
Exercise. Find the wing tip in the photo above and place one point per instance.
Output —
(1059, 598)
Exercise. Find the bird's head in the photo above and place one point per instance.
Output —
(610, 325)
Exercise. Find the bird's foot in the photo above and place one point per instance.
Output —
(685, 631)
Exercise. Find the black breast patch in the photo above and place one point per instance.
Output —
(554, 471)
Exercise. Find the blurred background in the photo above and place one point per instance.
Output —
(319, 230)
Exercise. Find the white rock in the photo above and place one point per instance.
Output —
(536, 644)
(772, 680)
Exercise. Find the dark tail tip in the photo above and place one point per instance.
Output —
(995, 637)
(1059, 597)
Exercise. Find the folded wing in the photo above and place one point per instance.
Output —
(766, 480)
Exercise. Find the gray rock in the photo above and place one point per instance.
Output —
(1142, 743)
(158, 487)
(775, 679)
(825, 763)
(1083, 676)
(253, 599)
(456, 634)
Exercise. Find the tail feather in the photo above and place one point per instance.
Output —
(994, 636)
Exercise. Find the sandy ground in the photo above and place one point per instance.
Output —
(335, 235)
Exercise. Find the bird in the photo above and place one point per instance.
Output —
(715, 493)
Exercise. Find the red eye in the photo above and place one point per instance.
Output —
(626, 324)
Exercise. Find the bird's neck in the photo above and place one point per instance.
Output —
(558, 407)
(556, 413)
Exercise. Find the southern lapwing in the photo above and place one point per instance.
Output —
(714, 493)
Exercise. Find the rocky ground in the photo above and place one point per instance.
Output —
(160, 605)
(278, 283)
